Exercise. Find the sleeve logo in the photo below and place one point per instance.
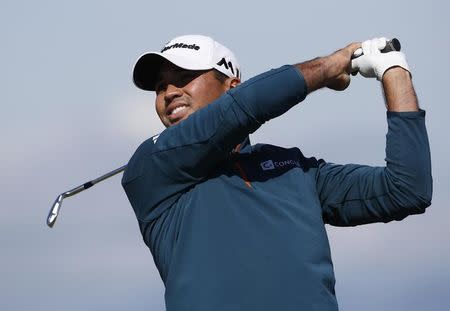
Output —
(155, 138)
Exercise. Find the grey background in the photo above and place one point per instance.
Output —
(70, 113)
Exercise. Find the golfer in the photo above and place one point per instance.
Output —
(236, 226)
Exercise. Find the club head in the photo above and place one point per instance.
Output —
(54, 211)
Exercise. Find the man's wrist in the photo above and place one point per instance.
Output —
(320, 71)
(336, 64)
(312, 72)
(396, 73)
(399, 91)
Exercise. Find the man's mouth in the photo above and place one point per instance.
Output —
(176, 112)
(178, 109)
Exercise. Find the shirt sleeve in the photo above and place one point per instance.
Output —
(357, 194)
(184, 154)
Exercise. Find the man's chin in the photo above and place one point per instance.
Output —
(172, 122)
(176, 121)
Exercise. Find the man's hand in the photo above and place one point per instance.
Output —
(342, 63)
(392, 70)
(332, 71)
(373, 63)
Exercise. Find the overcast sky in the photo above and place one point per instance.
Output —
(70, 113)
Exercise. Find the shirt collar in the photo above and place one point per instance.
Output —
(243, 147)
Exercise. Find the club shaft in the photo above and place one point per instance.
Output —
(90, 183)
(103, 177)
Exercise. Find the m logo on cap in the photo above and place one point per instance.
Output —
(228, 66)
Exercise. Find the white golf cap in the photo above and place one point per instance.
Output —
(191, 52)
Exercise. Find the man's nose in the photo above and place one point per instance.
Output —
(172, 91)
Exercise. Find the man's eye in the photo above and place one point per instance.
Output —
(188, 75)
(159, 87)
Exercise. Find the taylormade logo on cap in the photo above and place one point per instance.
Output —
(181, 45)
(191, 52)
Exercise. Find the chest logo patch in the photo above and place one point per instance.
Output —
(267, 165)
(271, 165)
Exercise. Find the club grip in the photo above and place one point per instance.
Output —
(392, 45)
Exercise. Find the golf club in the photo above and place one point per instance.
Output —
(391, 45)
(54, 211)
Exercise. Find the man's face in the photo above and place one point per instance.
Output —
(180, 92)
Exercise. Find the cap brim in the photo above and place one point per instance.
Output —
(147, 68)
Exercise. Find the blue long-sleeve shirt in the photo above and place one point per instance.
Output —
(245, 230)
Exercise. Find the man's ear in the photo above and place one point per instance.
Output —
(232, 83)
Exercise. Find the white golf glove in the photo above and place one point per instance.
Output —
(373, 63)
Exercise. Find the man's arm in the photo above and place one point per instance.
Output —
(357, 194)
(186, 153)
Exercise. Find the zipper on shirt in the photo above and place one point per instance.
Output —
(247, 182)
(239, 167)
